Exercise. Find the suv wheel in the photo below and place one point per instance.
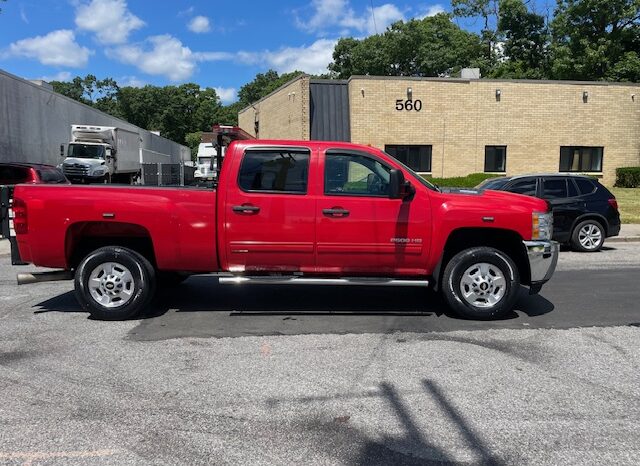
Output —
(481, 283)
(588, 236)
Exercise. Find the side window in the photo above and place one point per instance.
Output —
(355, 175)
(526, 186)
(275, 171)
(554, 188)
(572, 191)
(585, 186)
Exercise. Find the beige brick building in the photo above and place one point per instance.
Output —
(453, 127)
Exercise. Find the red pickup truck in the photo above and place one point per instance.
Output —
(289, 212)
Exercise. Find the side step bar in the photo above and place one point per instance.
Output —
(39, 277)
(321, 281)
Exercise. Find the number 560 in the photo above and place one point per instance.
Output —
(409, 105)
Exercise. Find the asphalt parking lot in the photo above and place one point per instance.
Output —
(266, 375)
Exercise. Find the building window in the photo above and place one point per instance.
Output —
(417, 158)
(495, 158)
(581, 159)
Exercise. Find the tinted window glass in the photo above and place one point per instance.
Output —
(493, 184)
(355, 175)
(418, 158)
(554, 188)
(495, 158)
(51, 175)
(14, 175)
(585, 186)
(571, 188)
(527, 186)
(283, 171)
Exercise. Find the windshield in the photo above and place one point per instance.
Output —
(86, 151)
(493, 183)
(421, 180)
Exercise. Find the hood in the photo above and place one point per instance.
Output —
(496, 200)
(87, 162)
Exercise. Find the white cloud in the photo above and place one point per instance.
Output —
(23, 15)
(109, 20)
(131, 81)
(61, 76)
(161, 55)
(58, 48)
(199, 24)
(227, 94)
(433, 10)
(213, 56)
(338, 13)
(313, 59)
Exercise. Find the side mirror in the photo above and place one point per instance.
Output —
(398, 187)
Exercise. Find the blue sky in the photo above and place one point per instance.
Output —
(213, 43)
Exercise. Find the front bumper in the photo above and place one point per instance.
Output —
(543, 258)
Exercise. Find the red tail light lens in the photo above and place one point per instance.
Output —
(613, 203)
(20, 224)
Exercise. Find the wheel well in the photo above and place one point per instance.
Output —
(82, 238)
(601, 220)
(506, 241)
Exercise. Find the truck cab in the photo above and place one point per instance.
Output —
(88, 161)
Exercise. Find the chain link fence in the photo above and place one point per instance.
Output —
(167, 174)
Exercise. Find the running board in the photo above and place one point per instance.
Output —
(321, 281)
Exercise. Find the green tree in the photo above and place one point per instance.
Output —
(263, 84)
(596, 39)
(433, 46)
(192, 141)
(525, 41)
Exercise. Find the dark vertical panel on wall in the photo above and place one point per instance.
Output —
(329, 110)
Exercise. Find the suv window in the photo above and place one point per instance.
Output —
(554, 188)
(51, 175)
(526, 186)
(283, 171)
(14, 175)
(355, 175)
(585, 186)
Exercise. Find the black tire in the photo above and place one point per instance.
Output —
(140, 282)
(479, 295)
(588, 236)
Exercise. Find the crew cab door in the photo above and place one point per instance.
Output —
(269, 217)
(360, 230)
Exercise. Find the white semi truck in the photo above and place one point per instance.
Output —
(206, 162)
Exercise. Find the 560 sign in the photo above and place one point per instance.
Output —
(409, 105)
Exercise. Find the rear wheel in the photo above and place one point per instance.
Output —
(481, 283)
(588, 236)
(114, 283)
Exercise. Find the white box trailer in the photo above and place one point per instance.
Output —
(103, 154)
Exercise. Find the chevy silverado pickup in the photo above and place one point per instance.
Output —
(288, 212)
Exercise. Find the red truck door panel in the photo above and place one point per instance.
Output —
(269, 218)
(359, 229)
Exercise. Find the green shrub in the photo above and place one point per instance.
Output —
(628, 177)
(468, 181)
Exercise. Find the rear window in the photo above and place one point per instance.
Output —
(585, 186)
(14, 175)
(274, 170)
(51, 175)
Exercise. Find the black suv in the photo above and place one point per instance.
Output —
(584, 211)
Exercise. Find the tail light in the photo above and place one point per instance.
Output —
(613, 203)
(20, 224)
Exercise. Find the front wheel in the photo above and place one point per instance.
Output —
(114, 283)
(481, 283)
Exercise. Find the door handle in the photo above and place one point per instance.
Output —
(335, 212)
(246, 209)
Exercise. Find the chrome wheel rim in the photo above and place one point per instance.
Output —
(483, 285)
(590, 236)
(111, 285)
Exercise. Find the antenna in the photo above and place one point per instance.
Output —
(373, 16)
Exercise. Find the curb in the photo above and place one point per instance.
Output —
(622, 239)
